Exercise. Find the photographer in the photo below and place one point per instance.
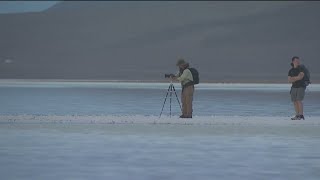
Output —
(185, 77)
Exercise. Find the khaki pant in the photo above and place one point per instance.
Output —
(186, 99)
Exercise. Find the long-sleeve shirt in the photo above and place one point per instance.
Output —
(185, 77)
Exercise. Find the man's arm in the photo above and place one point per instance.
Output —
(184, 75)
(300, 76)
(175, 76)
(290, 79)
(296, 78)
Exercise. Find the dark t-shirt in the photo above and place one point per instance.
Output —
(295, 72)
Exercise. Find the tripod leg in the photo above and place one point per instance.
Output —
(177, 97)
(165, 99)
(170, 98)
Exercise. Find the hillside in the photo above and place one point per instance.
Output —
(225, 41)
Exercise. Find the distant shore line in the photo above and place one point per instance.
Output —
(147, 81)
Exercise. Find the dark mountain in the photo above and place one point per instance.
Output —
(225, 41)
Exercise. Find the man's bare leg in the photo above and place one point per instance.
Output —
(300, 107)
(296, 107)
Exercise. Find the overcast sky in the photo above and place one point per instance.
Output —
(24, 6)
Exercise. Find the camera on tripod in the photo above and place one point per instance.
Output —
(170, 91)
(169, 75)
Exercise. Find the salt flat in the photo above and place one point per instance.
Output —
(140, 147)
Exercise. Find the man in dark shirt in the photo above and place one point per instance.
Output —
(295, 76)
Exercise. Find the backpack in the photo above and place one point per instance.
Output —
(195, 75)
(306, 77)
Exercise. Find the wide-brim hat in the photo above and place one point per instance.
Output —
(181, 62)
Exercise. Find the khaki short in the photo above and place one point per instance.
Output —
(297, 94)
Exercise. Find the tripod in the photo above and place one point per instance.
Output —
(171, 89)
